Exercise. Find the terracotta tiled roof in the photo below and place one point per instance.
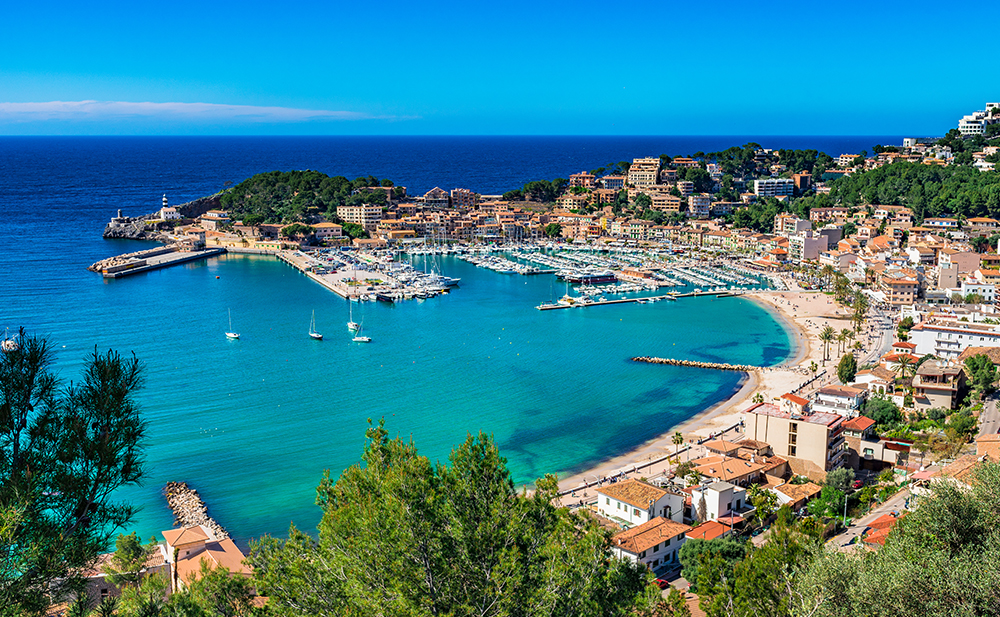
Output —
(223, 554)
(722, 446)
(796, 492)
(649, 534)
(860, 423)
(633, 492)
(185, 535)
(993, 353)
(798, 400)
(709, 530)
(725, 468)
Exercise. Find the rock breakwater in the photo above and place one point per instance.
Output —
(189, 509)
(720, 366)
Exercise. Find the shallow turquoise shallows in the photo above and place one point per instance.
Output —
(253, 423)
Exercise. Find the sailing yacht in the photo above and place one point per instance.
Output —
(358, 338)
(312, 329)
(230, 334)
(351, 325)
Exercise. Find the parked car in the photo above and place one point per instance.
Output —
(857, 484)
(662, 584)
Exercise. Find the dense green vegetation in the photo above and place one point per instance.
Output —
(403, 536)
(64, 450)
(928, 190)
(298, 196)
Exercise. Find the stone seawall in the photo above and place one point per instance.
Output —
(746, 368)
(189, 508)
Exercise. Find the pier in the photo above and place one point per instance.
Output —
(151, 259)
(189, 509)
(645, 300)
(719, 366)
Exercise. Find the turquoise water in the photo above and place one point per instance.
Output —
(253, 423)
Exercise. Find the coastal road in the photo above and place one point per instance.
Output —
(895, 503)
(989, 420)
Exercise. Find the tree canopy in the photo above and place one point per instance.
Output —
(294, 196)
(402, 536)
(64, 450)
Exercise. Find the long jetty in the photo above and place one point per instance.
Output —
(189, 509)
(720, 366)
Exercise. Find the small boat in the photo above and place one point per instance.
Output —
(9, 344)
(351, 324)
(358, 338)
(312, 329)
(230, 334)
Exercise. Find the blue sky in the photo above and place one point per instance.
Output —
(666, 68)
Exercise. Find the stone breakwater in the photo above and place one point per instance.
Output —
(130, 258)
(746, 368)
(189, 508)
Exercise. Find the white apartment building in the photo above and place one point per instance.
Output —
(644, 172)
(773, 187)
(947, 339)
(987, 290)
(976, 122)
(700, 205)
(365, 215)
(843, 400)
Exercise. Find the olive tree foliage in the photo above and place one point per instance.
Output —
(402, 536)
(64, 450)
(943, 559)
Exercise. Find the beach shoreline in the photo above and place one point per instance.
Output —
(802, 315)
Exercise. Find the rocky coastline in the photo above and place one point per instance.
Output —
(143, 228)
(189, 509)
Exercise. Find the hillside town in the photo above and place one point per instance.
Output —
(891, 397)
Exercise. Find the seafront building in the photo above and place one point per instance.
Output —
(813, 443)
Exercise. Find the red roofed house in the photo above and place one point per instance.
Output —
(634, 502)
(654, 544)
(790, 403)
(197, 544)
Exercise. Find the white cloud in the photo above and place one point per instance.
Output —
(186, 112)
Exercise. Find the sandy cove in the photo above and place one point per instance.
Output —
(804, 314)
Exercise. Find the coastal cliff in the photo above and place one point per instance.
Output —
(144, 228)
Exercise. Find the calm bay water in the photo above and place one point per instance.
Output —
(253, 423)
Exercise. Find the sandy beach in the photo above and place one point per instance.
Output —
(804, 314)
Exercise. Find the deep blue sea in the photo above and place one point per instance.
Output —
(253, 423)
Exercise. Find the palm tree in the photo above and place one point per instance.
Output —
(813, 367)
(678, 440)
(840, 338)
(846, 334)
(905, 368)
(826, 336)
(827, 273)
(758, 398)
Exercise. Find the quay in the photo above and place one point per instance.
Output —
(189, 509)
(151, 259)
(720, 366)
(647, 299)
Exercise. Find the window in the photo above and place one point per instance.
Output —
(656, 549)
(793, 438)
(791, 450)
(642, 554)
(793, 427)
(637, 511)
(607, 501)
